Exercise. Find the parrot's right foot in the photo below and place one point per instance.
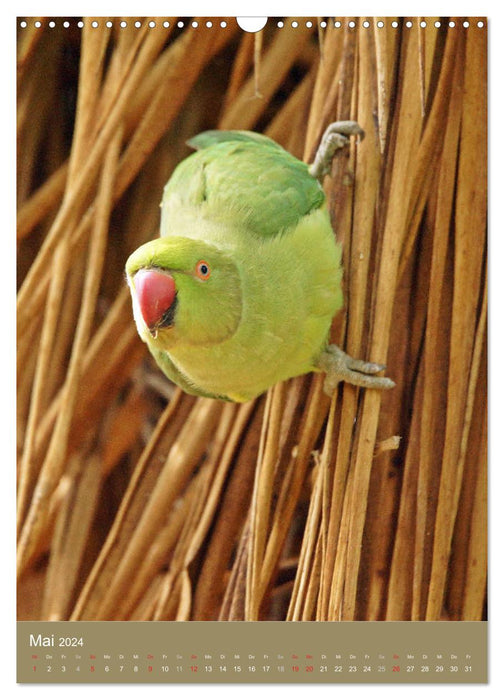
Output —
(341, 367)
(336, 136)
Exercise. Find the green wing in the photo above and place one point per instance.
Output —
(246, 176)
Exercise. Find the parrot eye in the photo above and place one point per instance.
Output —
(203, 270)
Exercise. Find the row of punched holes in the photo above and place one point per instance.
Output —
(294, 23)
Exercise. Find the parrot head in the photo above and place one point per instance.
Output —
(184, 291)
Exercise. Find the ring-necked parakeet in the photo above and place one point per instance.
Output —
(240, 290)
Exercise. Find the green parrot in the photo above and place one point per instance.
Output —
(240, 290)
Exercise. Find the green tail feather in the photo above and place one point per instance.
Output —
(213, 136)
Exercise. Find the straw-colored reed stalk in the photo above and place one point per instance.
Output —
(139, 502)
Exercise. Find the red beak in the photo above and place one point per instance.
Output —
(155, 292)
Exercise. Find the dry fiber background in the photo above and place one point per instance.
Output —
(137, 501)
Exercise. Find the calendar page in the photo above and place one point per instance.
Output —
(252, 350)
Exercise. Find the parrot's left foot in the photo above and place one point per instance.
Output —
(341, 367)
(336, 136)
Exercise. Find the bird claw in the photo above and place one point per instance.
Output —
(342, 367)
(335, 137)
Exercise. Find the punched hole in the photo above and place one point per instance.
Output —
(251, 24)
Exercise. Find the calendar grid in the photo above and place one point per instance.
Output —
(247, 652)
